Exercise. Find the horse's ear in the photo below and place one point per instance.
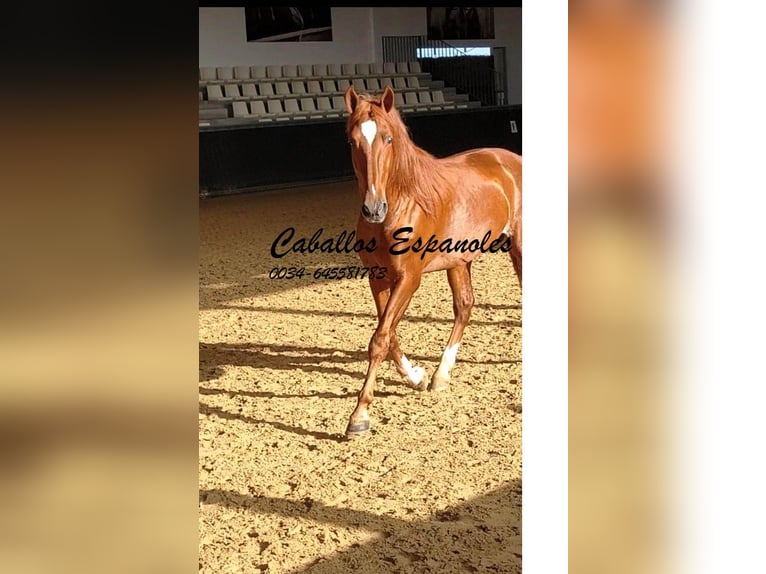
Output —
(351, 99)
(387, 99)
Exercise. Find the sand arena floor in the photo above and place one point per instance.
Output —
(437, 485)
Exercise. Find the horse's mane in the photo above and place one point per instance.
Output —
(415, 173)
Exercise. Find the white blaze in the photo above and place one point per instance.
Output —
(414, 374)
(369, 129)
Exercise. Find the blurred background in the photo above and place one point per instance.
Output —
(98, 334)
(619, 257)
(98, 308)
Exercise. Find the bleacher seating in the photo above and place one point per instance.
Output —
(307, 91)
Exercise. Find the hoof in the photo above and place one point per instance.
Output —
(415, 379)
(356, 430)
(421, 386)
(438, 383)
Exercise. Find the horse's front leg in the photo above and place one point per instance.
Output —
(380, 343)
(415, 375)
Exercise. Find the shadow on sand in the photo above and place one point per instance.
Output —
(480, 535)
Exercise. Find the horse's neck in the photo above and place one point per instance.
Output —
(414, 179)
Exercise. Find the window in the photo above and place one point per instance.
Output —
(452, 52)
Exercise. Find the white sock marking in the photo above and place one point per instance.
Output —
(448, 359)
(414, 374)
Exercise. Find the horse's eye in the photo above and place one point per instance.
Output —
(389, 139)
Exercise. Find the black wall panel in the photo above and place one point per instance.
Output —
(265, 156)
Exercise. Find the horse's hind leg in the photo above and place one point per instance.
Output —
(462, 302)
(516, 249)
(415, 375)
(516, 259)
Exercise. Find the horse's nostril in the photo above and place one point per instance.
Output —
(365, 210)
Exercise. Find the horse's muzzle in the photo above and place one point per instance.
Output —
(375, 212)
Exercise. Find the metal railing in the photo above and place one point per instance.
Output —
(472, 75)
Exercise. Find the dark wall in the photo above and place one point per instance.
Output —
(291, 153)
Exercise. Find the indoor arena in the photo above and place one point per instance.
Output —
(288, 324)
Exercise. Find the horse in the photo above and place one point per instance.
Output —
(462, 199)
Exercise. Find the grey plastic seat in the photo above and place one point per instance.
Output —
(362, 69)
(290, 71)
(308, 106)
(258, 109)
(343, 85)
(225, 73)
(275, 108)
(292, 108)
(413, 82)
(232, 91)
(402, 68)
(373, 85)
(314, 87)
(359, 85)
(338, 103)
(400, 83)
(305, 71)
(334, 70)
(386, 82)
(399, 100)
(258, 72)
(207, 74)
(389, 68)
(241, 110)
(283, 89)
(415, 68)
(411, 99)
(320, 70)
(214, 93)
(347, 69)
(266, 89)
(249, 91)
(424, 98)
(242, 72)
(328, 86)
(298, 87)
(324, 106)
(376, 68)
(438, 98)
(274, 71)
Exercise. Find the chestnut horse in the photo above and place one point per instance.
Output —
(473, 195)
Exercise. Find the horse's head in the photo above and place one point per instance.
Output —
(371, 132)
